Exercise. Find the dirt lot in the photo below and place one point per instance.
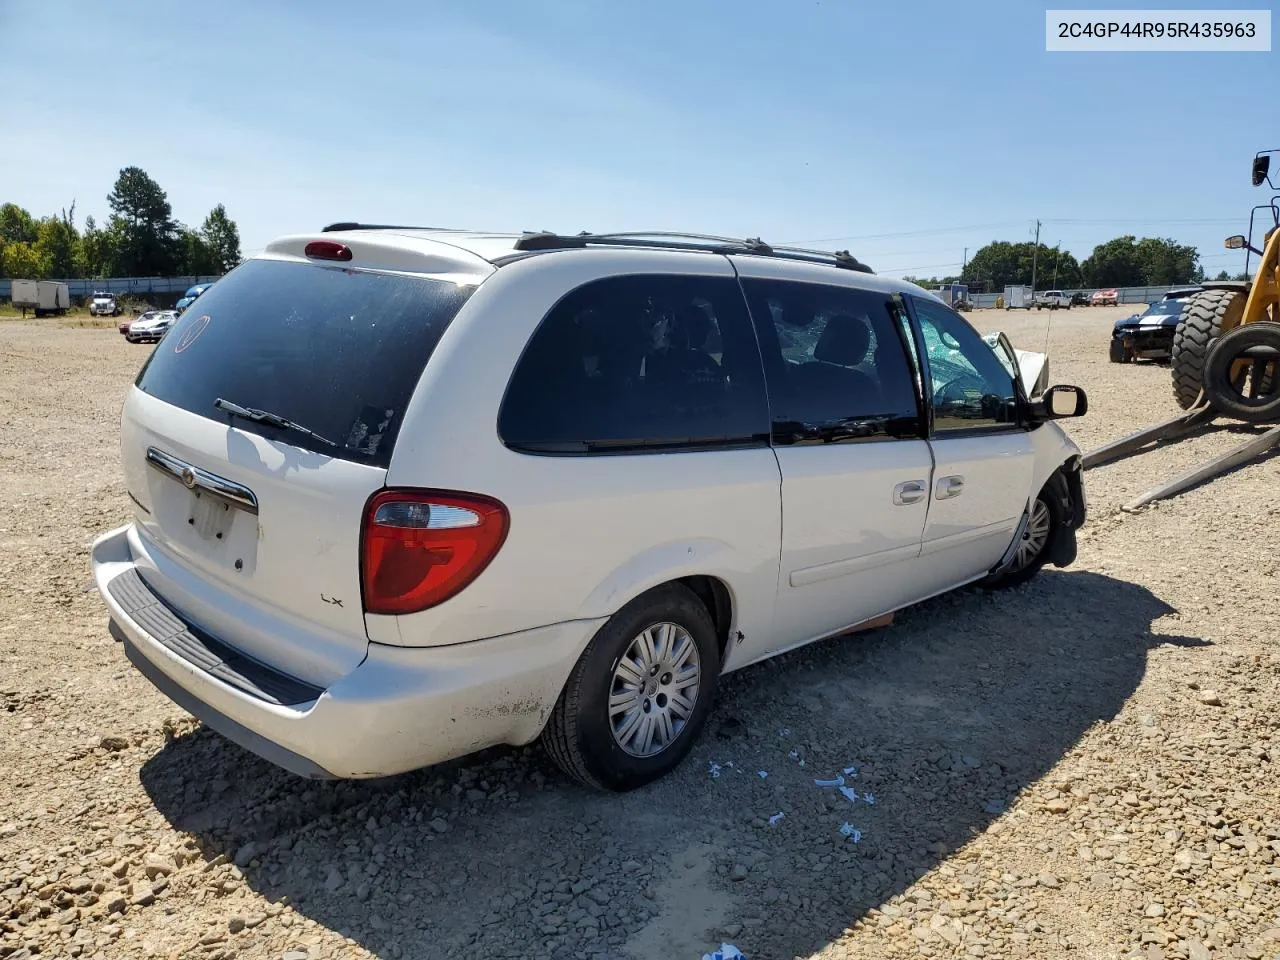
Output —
(1082, 767)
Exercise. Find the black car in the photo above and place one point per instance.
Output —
(1148, 335)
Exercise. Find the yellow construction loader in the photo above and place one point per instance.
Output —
(1226, 355)
(1237, 388)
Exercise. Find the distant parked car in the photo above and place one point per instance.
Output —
(150, 327)
(190, 296)
(1104, 298)
(127, 322)
(1149, 335)
(1079, 299)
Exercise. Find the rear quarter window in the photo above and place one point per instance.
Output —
(337, 350)
(639, 363)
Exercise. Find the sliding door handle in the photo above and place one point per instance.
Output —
(910, 492)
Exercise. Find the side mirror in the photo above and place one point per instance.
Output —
(1059, 402)
(1261, 166)
(1236, 242)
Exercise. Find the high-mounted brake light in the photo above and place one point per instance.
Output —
(327, 250)
(421, 547)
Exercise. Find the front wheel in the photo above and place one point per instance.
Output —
(1043, 526)
(1205, 317)
(1119, 353)
(640, 693)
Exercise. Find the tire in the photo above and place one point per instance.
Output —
(1217, 374)
(580, 736)
(1118, 353)
(1047, 507)
(1205, 317)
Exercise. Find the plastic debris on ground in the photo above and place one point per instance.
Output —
(851, 771)
(727, 951)
(773, 821)
(837, 782)
(853, 833)
(869, 798)
(850, 794)
(714, 770)
(762, 774)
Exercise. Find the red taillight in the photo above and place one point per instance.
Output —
(421, 547)
(327, 250)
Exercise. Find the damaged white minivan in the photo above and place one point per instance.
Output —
(399, 494)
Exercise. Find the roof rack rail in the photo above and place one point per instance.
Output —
(548, 240)
(352, 225)
(843, 258)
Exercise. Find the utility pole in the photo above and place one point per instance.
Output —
(965, 264)
(1035, 252)
(1055, 264)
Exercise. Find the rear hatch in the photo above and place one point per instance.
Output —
(249, 528)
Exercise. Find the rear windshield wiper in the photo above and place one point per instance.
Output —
(269, 418)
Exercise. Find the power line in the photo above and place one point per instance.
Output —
(930, 266)
(1135, 221)
(909, 233)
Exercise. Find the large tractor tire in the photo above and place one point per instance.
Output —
(1205, 317)
(1224, 381)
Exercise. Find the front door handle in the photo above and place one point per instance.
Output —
(910, 492)
(949, 487)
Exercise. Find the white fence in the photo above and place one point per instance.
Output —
(136, 286)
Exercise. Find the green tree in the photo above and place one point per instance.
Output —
(195, 257)
(1222, 275)
(142, 220)
(1129, 262)
(16, 225)
(23, 261)
(1165, 261)
(95, 256)
(56, 245)
(1001, 263)
(222, 238)
(1114, 264)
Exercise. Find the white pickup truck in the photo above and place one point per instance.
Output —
(1052, 300)
(104, 305)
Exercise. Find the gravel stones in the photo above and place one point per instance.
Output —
(1052, 766)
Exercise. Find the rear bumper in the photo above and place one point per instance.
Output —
(398, 710)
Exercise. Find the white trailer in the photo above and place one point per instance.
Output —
(42, 296)
(1018, 298)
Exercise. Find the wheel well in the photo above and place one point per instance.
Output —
(715, 597)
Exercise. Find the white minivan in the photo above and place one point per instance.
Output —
(401, 494)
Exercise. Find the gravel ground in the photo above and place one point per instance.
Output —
(1081, 767)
